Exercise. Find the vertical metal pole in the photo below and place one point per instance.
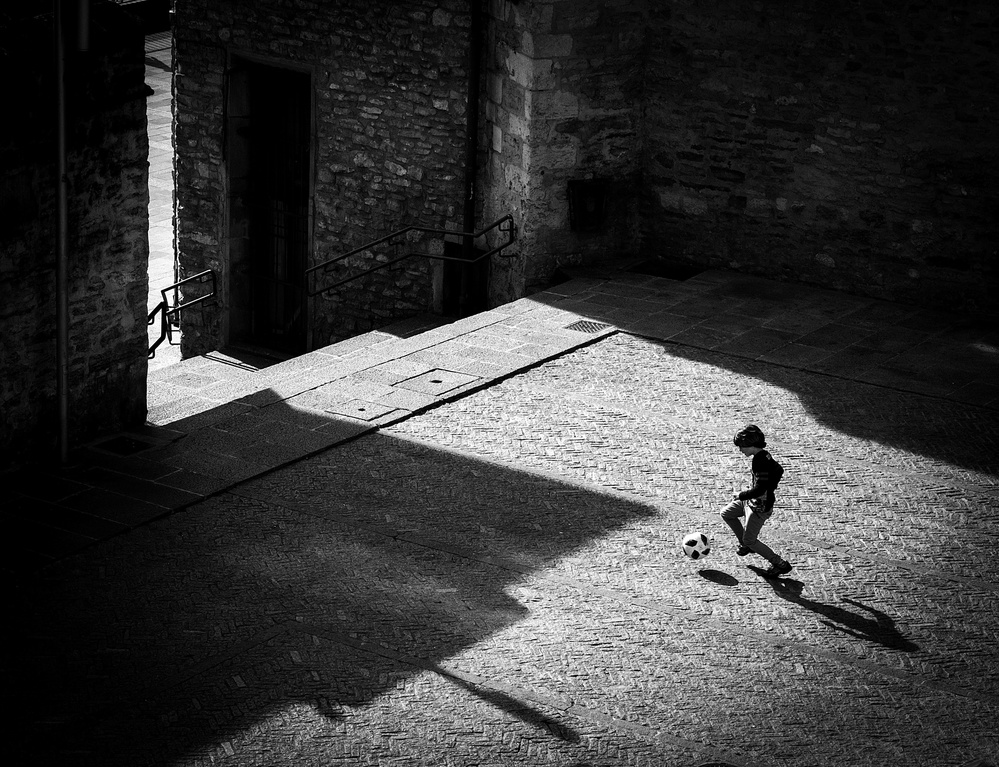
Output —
(62, 244)
(83, 25)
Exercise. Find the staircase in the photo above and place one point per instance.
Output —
(216, 385)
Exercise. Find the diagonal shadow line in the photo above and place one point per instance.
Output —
(517, 708)
(473, 683)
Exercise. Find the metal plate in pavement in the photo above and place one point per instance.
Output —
(437, 381)
(361, 409)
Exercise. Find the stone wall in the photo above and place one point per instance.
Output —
(563, 104)
(849, 145)
(843, 145)
(389, 81)
(108, 225)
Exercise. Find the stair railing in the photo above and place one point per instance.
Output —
(395, 240)
(166, 311)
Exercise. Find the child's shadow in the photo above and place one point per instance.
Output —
(871, 625)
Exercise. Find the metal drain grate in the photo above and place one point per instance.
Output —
(587, 326)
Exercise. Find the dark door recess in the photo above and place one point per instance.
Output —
(269, 132)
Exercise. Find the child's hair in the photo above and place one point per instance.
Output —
(751, 436)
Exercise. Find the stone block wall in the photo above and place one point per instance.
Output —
(844, 145)
(849, 145)
(108, 227)
(389, 83)
(563, 103)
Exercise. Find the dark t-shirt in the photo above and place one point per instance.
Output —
(766, 474)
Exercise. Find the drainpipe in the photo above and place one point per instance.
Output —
(471, 142)
(62, 215)
(62, 241)
(83, 25)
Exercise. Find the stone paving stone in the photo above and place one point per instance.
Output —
(756, 342)
(795, 355)
(305, 363)
(226, 467)
(849, 361)
(362, 410)
(53, 515)
(405, 399)
(134, 466)
(502, 342)
(361, 343)
(583, 308)
(343, 429)
(878, 315)
(705, 336)
(287, 388)
(796, 322)
(929, 321)
(275, 453)
(140, 489)
(393, 371)
(978, 393)
(114, 507)
(217, 414)
(165, 404)
(249, 402)
(343, 390)
(732, 322)
(436, 382)
(573, 287)
(662, 325)
(514, 308)
(833, 337)
(191, 380)
(43, 484)
(45, 541)
(702, 307)
(194, 482)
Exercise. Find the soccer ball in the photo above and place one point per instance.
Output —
(696, 545)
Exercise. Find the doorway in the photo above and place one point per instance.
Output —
(465, 285)
(269, 129)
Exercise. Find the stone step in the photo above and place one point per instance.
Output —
(199, 384)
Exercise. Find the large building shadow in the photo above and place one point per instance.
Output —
(326, 585)
(940, 430)
(866, 369)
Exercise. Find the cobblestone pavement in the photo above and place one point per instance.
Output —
(497, 581)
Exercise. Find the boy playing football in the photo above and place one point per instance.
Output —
(756, 503)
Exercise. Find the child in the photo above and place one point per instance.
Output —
(757, 502)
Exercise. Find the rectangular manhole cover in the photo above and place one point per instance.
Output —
(437, 382)
(361, 409)
(587, 326)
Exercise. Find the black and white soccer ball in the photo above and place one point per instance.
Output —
(696, 545)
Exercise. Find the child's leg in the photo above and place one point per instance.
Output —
(732, 515)
(754, 522)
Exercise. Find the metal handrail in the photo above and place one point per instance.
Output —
(504, 224)
(165, 310)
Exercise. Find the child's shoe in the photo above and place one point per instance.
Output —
(781, 568)
(743, 550)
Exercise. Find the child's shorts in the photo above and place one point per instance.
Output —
(756, 506)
